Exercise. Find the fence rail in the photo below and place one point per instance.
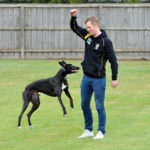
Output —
(41, 31)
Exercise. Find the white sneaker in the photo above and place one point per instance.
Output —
(86, 133)
(99, 135)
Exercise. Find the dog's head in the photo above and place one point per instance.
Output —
(69, 68)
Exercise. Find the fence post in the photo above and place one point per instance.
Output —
(22, 31)
(100, 16)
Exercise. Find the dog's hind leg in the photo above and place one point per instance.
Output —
(25, 105)
(69, 96)
(36, 102)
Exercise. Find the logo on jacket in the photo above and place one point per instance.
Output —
(96, 46)
(89, 41)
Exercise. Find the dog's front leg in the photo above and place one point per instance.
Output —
(62, 105)
(69, 96)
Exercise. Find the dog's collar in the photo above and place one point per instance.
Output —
(63, 69)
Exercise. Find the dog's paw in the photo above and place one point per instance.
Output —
(31, 127)
(65, 115)
(19, 127)
(72, 107)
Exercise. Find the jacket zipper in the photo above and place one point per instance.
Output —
(101, 60)
(101, 66)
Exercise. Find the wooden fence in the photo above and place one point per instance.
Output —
(42, 31)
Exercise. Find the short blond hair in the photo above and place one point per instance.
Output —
(92, 19)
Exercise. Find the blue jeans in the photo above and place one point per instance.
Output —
(98, 86)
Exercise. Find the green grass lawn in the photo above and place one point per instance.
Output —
(127, 108)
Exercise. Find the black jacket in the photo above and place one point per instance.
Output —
(97, 51)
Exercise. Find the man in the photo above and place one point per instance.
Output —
(98, 49)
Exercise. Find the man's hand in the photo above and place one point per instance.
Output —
(114, 83)
(73, 12)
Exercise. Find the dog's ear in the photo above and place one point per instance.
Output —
(60, 63)
(64, 62)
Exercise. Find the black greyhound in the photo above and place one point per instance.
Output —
(51, 86)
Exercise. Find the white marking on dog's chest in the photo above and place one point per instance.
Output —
(63, 86)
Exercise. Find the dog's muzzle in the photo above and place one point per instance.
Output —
(75, 70)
